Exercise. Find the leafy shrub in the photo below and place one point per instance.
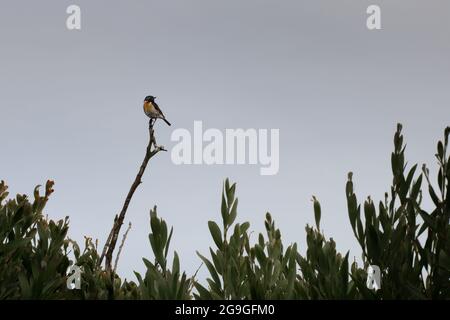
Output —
(409, 244)
(391, 238)
(160, 282)
(33, 260)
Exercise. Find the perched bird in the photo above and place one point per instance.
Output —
(152, 109)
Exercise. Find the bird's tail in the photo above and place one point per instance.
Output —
(166, 121)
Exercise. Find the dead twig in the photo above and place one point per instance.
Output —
(192, 284)
(121, 246)
(152, 150)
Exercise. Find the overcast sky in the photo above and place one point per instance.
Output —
(71, 108)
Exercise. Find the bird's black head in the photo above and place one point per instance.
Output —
(149, 98)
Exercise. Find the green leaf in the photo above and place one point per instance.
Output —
(227, 184)
(216, 233)
(244, 227)
(317, 212)
(373, 247)
(416, 188)
(440, 149)
(168, 243)
(210, 267)
(230, 193)
(343, 274)
(204, 293)
(434, 197)
(429, 220)
(233, 213)
(176, 263)
(224, 211)
(155, 224)
(217, 261)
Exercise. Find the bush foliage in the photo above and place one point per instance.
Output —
(410, 245)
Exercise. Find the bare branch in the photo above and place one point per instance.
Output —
(191, 286)
(152, 150)
(121, 246)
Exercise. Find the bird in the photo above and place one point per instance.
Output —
(152, 109)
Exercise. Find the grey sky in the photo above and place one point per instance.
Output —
(71, 107)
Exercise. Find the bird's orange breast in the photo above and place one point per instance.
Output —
(149, 108)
